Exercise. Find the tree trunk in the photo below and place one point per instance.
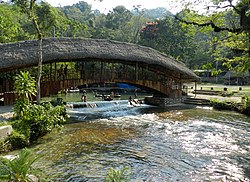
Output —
(40, 50)
(39, 71)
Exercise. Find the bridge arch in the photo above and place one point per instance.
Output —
(167, 74)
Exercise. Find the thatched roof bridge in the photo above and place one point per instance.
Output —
(25, 54)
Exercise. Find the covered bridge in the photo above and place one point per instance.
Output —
(171, 72)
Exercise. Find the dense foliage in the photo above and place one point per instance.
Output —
(24, 86)
(31, 120)
(243, 107)
(217, 38)
(229, 23)
(37, 120)
(121, 24)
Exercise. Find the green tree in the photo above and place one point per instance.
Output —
(79, 20)
(234, 21)
(28, 7)
(10, 26)
(118, 18)
(170, 37)
(80, 12)
(136, 23)
(52, 21)
(116, 25)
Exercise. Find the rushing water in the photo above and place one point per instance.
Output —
(158, 145)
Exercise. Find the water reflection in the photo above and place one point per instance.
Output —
(194, 144)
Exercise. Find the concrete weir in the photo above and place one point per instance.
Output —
(161, 101)
(81, 105)
(5, 131)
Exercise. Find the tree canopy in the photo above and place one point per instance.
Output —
(230, 22)
(217, 38)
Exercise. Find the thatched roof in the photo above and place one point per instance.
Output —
(24, 54)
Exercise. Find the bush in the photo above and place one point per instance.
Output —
(32, 120)
(17, 140)
(245, 105)
(224, 105)
(245, 101)
(37, 120)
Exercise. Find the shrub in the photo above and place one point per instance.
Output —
(37, 120)
(245, 105)
(17, 140)
(224, 105)
(32, 120)
(25, 89)
(245, 101)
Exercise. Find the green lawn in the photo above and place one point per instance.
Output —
(245, 89)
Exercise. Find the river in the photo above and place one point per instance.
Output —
(157, 145)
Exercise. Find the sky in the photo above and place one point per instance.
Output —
(107, 5)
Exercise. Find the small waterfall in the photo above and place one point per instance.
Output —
(79, 111)
(99, 104)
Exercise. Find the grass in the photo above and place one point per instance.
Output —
(220, 87)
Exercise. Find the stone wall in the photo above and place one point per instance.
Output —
(162, 101)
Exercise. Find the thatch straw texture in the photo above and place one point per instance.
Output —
(25, 54)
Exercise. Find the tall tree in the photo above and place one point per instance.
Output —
(118, 17)
(168, 36)
(10, 26)
(28, 7)
(234, 20)
(52, 21)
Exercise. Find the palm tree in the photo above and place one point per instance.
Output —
(25, 89)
